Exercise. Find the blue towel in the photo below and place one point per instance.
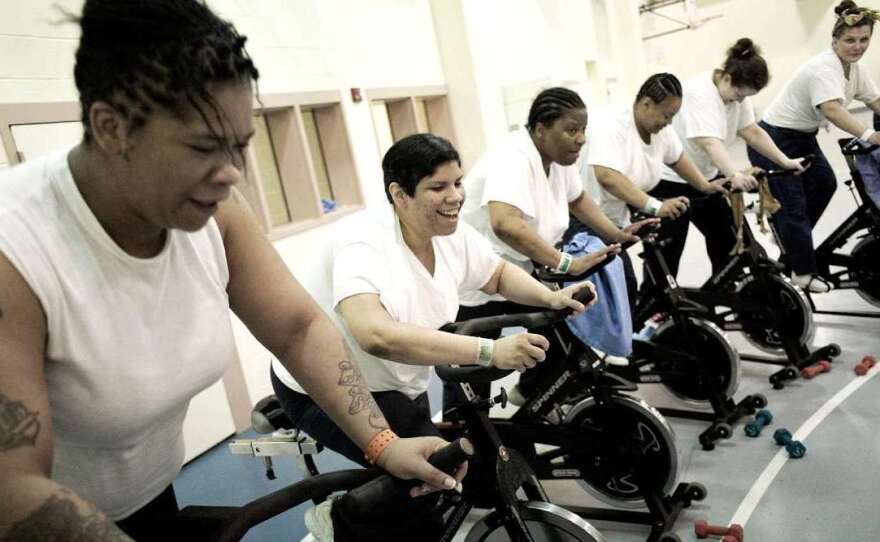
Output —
(607, 325)
(869, 168)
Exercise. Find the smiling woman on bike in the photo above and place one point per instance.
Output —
(819, 93)
(396, 280)
(119, 262)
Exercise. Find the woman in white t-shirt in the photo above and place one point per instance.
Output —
(626, 152)
(397, 278)
(715, 110)
(521, 193)
(819, 93)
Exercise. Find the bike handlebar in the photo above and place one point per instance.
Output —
(284, 499)
(475, 326)
(367, 496)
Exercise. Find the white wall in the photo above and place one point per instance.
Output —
(788, 31)
(517, 47)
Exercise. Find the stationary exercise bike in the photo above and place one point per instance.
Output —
(860, 268)
(519, 507)
(750, 294)
(688, 355)
(580, 425)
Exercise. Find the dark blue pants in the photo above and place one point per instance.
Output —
(399, 518)
(803, 197)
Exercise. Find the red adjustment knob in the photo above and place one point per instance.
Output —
(703, 530)
(822, 367)
(863, 366)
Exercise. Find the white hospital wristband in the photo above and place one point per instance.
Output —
(484, 352)
(564, 264)
(866, 135)
(653, 206)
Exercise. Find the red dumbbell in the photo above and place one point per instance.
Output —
(817, 368)
(703, 530)
(863, 366)
(730, 538)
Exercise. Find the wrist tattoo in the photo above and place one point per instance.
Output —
(60, 518)
(18, 425)
(361, 398)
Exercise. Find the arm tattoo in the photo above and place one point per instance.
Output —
(59, 518)
(361, 398)
(18, 425)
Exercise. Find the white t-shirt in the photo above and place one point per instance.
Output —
(818, 81)
(130, 340)
(374, 259)
(704, 114)
(512, 172)
(613, 141)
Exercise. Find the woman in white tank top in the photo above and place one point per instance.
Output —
(119, 262)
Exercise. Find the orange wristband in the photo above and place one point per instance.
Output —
(377, 445)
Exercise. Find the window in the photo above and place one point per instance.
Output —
(300, 169)
(399, 112)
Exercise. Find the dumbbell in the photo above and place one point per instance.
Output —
(762, 419)
(730, 538)
(795, 448)
(703, 530)
(817, 368)
(863, 366)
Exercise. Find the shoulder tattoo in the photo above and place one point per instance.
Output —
(18, 425)
(60, 518)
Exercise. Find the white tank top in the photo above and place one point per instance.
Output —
(131, 340)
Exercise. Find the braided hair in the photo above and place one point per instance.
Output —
(551, 104)
(660, 86)
(139, 55)
(745, 65)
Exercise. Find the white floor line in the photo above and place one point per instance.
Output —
(759, 488)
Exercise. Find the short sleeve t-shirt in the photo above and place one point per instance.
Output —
(820, 80)
(512, 172)
(375, 260)
(704, 114)
(613, 141)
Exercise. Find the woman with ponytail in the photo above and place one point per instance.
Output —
(818, 94)
(715, 110)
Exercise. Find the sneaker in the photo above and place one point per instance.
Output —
(811, 283)
(619, 361)
(515, 397)
(609, 359)
(319, 523)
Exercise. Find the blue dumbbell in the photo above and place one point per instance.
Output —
(795, 448)
(762, 419)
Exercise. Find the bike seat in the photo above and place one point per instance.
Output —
(267, 416)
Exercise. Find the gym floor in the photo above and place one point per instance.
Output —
(829, 494)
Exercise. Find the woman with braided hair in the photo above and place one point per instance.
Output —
(120, 260)
(716, 109)
(520, 194)
(626, 152)
(818, 94)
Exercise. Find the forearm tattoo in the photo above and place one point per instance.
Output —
(59, 518)
(361, 398)
(18, 425)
